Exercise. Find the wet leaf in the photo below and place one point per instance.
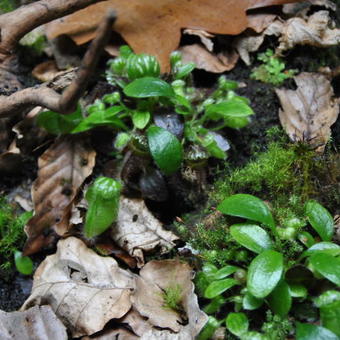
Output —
(309, 111)
(323, 247)
(252, 237)
(216, 288)
(165, 149)
(327, 265)
(158, 23)
(23, 263)
(264, 273)
(280, 300)
(140, 119)
(298, 291)
(251, 302)
(149, 87)
(247, 206)
(306, 331)
(137, 230)
(76, 279)
(237, 323)
(34, 323)
(62, 170)
(224, 272)
(320, 219)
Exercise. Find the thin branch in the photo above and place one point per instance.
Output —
(14, 25)
(67, 101)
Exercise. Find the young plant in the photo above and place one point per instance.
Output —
(160, 116)
(103, 199)
(275, 277)
(272, 70)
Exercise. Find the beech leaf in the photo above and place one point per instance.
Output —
(62, 170)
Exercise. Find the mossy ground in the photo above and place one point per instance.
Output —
(285, 176)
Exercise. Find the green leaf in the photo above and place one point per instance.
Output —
(149, 87)
(306, 238)
(327, 265)
(141, 119)
(212, 147)
(237, 323)
(215, 304)
(209, 329)
(56, 123)
(224, 272)
(23, 264)
(252, 237)
(183, 71)
(251, 302)
(236, 122)
(231, 108)
(247, 206)
(320, 219)
(165, 149)
(305, 331)
(323, 247)
(142, 65)
(218, 287)
(264, 273)
(280, 300)
(329, 304)
(297, 290)
(100, 118)
(122, 140)
(103, 198)
(254, 336)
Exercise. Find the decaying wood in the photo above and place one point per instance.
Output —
(46, 96)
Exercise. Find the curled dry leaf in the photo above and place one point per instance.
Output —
(137, 230)
(206, 60)
(314, 31)
(147, 27)
(84, 289)
(204, 36)
(301, 9)
(158, 277)
(62, 170)
(38, 323)
(308, 112)
(11, 160)
(46, 71)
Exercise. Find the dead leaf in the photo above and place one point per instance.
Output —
(11, 160)
(308, 112)
(314, 31)
(113, 334)
(258, 22)
(46, 71)
(155, 278)
(154, 27)
(62, 170)
(38, 323)
(84, 289)
(301, 9)
(137, 230)
(205, 60)
(204, 36)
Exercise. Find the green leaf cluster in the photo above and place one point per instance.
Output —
(272, 70)
(142, 94)
(269, 278)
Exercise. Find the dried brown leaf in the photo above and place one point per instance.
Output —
(84, 289)
(258, 22)
(206, 60)
(308, 112)
(46, 71)
(204, 36)
(155, 278)
(38, 323)
(155, 26)
(11, 160)
(137, 230)
(62, 170)
(314, 31)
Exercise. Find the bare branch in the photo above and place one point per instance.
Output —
(14, 25)
(67, 101)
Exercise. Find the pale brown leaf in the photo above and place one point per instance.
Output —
(206, 60)
(308, 112)
(148, 299)
(137, 230)
(154, 27)
(84, 289)
(62, 170)
(204, 36)
(38, 323)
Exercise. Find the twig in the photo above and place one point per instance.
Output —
(14, 25)
(67, 101)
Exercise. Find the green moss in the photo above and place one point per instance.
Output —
(12, 236)
(7, 5)
(172, 297)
